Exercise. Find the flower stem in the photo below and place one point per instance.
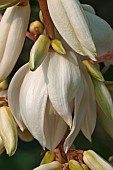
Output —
(47, 19)
(103, 58)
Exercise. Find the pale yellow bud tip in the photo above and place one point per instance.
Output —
(57, 46)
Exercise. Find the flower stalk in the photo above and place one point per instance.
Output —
(47, 19)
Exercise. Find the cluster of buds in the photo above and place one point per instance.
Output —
(86, 160)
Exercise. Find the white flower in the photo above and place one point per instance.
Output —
(13, 29)
(85, 32)
(42, 100)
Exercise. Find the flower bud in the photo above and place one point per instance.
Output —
(3, 85)
(36, 28)
(25, 135)
(95, 162)
(74, 165)
(57, 46)
(39, 51)
(8, 130)
(93, 70)
(8, 3)
(50, 166)
(103, 98)
(49, 157)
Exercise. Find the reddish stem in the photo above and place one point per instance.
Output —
(105, 69)
(106, 57)
(31, 36)
(47, 19)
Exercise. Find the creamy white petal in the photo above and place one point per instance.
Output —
(33, 98)
(13, 94)
(71, 22)
(101, 32)
(79, 113)
(54, 127)
(63, 82)
(90, 119)
(5, 25)
(14, 40)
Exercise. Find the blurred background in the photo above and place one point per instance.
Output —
(28, 155)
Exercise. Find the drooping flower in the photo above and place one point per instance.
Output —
(81, 28)
(13, 29)
(42, 99)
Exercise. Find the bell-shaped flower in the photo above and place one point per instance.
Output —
(81, 28)
(43, 97)
(73, 26)
(13, 29)
(44, 100)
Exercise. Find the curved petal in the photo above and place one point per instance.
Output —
(102, 33)
(63, 82)
(105, 122)
(13, 94)
(33, 98)
(79, 113)
(88, 8)
(54, 127)
(90, 118)
(13, 46)
(73, 27)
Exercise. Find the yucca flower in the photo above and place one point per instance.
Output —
(13, 27)
(85, 32)
(45, 99)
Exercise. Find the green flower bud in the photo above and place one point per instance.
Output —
(36, 28)
(103, 98)
(74, 165)
(39, 51)
(49, 157)
(93, 70)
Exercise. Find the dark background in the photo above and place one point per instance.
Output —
(28, 155)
